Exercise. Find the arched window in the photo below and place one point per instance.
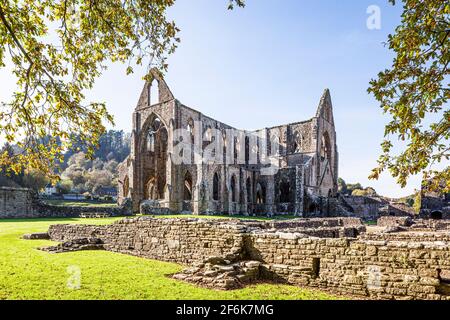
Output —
(297, 142)
(249, 190)
(285, 190)
(208, 134)
(325, 148)
(152, 190)
(233, 188)
(224, 136)
(152, 132)
(216, 185)
(280, 147)
(187, 186)
(190, 129)
(247, 149)
(154, 93)
(260, 194)
(274, 146)
(151, 141)
(236, 149)
(255, 150)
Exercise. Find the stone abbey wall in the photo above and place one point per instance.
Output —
(333, 254)
(235, 180)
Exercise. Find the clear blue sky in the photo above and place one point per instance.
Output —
(268, 64)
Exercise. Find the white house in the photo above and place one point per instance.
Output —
(50, 190)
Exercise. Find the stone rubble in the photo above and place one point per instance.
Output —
(76, 245)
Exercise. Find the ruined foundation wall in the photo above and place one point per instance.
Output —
(175, 240)
(382, 269)
(24, 203)
(382, 266)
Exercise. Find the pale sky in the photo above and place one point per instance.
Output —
(268, 64)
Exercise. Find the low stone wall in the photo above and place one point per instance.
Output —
(390, 221)
(321, 253)
(46, 210)
(422, 238)
(414, 224)
(372, 268)
(175, 240)
(66, 232)
(23, 203)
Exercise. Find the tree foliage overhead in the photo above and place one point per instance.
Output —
(58, 48)
(415, 92)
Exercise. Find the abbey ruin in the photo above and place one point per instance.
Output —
(184, 161)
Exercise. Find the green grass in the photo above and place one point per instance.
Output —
(85, 203)
(28, 273)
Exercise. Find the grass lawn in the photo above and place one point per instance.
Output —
(28, 273)
(85, 203)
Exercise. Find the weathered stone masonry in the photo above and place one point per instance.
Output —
(306, 155)
(16, 202)
(330, 254)
(24, 203)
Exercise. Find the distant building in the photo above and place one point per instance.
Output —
(50, 190)
(107, 191)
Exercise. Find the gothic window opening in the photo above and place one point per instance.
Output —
(152, 191)
(224, 143)
(208, 134)
(249, 190)
(247, 149)
(285, 190)
(233, 189)
(280, 147)
(154, 93)
(274, 148)
(151, 141)
(260, 194)
(187, 187)
(325, 149)
(153, 131)
(255, 150)
(297, 142)
(190, 129)
(236, 149)
(216, 184)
